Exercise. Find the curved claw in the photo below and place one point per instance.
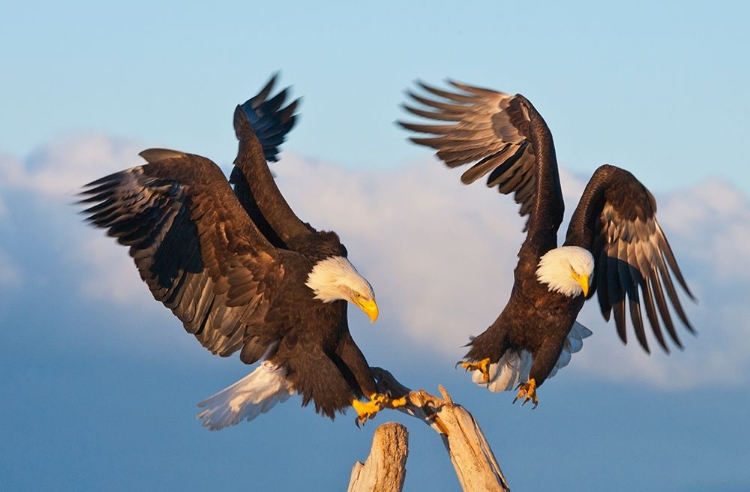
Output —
(482, 366)
(368, 410)
(527, 392)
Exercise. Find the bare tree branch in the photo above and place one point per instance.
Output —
(385, 468)
(475, 464)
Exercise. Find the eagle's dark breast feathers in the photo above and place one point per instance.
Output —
(535, 320)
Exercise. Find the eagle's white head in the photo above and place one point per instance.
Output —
(335, 278)
(568, 270)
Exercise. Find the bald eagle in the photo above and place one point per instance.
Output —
(243, 272)
(614, 245)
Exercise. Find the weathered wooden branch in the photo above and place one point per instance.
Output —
(385, 468)
(475, 464)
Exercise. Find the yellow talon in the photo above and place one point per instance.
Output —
(368, 410)
(399, 402)
(527, 391)
(483, 366)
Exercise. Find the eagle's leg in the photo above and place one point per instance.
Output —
(378, 401)
(353, 358)
(483, 366)
(527, 391)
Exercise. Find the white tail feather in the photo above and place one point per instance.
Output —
(507, 373)
(252, 395)
(513, 367)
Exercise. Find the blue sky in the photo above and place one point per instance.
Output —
(100, 382)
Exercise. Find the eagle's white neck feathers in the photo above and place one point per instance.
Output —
(335, 278)
(559, 267)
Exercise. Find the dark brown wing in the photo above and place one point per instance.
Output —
(261, 125)
(500, 135)
(616, 221)
(269, 119)
(193, 245)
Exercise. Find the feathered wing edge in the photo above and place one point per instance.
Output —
(261, 125)
(636, 269)
(635, 276)
(269, 119)
(256, 393)
(167, 212)
(513, 367)
(500, 136)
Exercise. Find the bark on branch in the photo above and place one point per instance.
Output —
(475, 464)
(385, 468)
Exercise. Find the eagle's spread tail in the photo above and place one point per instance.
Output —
(252, 395)
(513, 367)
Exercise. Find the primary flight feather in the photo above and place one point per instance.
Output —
(614, 245)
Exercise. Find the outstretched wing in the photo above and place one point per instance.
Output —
(193, 245)
(504, 137)
(269, 119)
(490, 130)
(261, 125)
(635, 266)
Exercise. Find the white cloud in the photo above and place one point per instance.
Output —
(50, 177)
(60, 168)
(427, 244)
(713, 218)
(441, 256)
(113, 276)
(11, 274)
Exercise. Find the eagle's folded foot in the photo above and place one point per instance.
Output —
(482, 366)
(368, 410)
(527, 391)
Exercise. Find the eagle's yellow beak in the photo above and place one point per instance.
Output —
(583, 281)
(370, 307)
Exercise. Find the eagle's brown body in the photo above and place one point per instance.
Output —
(233, 265)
